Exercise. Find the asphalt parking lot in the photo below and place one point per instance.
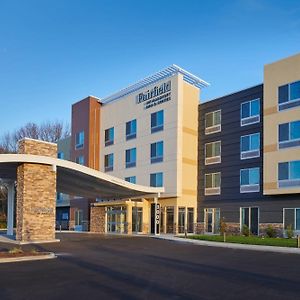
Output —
(113, 267)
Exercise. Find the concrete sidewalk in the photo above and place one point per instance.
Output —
(228, 245)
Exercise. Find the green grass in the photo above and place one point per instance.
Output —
(252, 240)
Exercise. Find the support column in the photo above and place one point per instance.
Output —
(185, 219)
(129, 217)
(10, 208)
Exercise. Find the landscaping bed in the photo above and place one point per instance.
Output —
(251, 240)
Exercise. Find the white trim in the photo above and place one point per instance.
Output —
(163, 74)
(45, 160)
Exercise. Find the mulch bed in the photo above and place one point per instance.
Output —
(24, 254)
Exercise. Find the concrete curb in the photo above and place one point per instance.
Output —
(275, 249)
(51, 255)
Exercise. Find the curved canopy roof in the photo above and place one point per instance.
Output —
(78, 180)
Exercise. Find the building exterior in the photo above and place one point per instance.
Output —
(146, 134)
(249, 155)
(235, 158)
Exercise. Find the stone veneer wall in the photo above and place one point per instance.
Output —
(97, 219)
(36, 147)
(36, 194)
(277, 226)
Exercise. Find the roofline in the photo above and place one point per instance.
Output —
(165, 73)
(232, 93)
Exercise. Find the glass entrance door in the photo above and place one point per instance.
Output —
(212, 220)
(190, 220)
(78, 220)
(137, 219)
(249, 217)
(116, 219)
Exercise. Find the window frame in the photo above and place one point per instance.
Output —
(256, 152)
(78, 144)
(290, 143)
(247, 120)
(213, 159)
(214, 190)
(77, 160)
(162, 179)
(250, 188)
(216, 127)
(128, 179)
(157, 158)
(110, 141)
(131, 135)
(108, 168)
(285, 105)
(287, 183)
(159, 127)
(130, 164)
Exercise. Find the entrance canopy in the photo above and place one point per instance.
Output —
(78, 180)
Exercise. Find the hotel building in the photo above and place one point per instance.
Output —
(235, 158)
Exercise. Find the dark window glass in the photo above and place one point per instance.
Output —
(245, 110)
(295, 169)
(283, 132)
(283, 171)
(283, 93)
(245, 177)
(295, 130)
(245, 145)
(255, 107)
(209, 120)
(295, 90)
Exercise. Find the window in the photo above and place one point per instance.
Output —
(249, 216)
(250, 112)
(213, 184)
(249, 180)
(289, 135)
(157, 152)
(156, 179)
(289, 174)
(80, 160)
(131, 179)
(291, 218)
(213, 153)
(109, 162)
(60, 155)
(212, 220)
(289, 95)
(130, 158)
(79, 140)
(181, 219)
(109, 136)
(157, 121)
(213, 122)
(250, 146)
(131, 130)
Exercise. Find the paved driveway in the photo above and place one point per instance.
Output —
(113, 267)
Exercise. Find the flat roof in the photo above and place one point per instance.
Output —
(167, 72)
(78, 180)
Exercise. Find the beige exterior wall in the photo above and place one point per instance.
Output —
(118, 112)
(180, 136)
(277, 74)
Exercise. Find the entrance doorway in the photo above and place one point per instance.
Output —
(116, 219)
(78, 220)
(170, 219)
(137, 219)
(249, 217)
(212, 220)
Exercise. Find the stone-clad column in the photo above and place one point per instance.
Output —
(97, 219)
(36, 194)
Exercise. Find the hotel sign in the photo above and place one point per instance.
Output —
(155, 96)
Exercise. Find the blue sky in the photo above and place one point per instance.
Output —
(56, 52)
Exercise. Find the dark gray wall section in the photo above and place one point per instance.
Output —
(231, 199)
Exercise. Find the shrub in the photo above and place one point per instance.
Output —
(289, 232)
(271, 231)
(245, 230)
(15, 250)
